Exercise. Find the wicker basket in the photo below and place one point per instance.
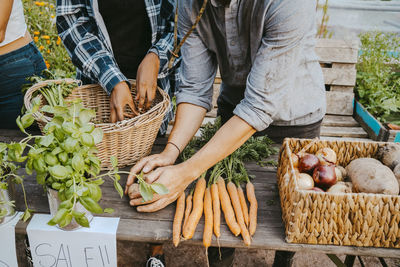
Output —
(128, 140)
(355, 219)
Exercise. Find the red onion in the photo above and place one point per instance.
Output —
(307, 163)
(324, 176)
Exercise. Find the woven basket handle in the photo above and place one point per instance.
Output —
(177, 47)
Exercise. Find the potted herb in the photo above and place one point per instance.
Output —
(8, 178)
(65, 162)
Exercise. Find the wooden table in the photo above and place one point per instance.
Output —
(157, 226)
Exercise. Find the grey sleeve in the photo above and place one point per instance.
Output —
(270, 78)
(198, 66)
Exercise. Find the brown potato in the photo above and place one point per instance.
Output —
(369, 175)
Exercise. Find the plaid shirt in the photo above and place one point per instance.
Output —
(92, 55)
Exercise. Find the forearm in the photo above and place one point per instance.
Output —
(188, 120)
(5, 11)
(228, 138)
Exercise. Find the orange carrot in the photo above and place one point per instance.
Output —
(176, 229)
(188, 208)
(243, 204)
(227, 208)
(238, 212)
(208, 216)
(251, 196)
(197, 211)
(216, 209)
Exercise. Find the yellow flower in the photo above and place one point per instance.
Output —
(36, 32)
(36, 39)
(46, 37)
(52, 16)
(51, 6)
(47, 64)
(58, 40)
(37, 3)
(48, 51)
(41, 47)
(48, 41)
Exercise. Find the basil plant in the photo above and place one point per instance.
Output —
(64, 159)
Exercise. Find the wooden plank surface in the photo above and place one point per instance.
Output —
(344, 131)
(340, 74)
(157, 226)
(339, 51)
(339, 121)
(339, 103)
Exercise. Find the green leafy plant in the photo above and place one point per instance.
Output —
(8, 173)
(64, 159)
(378, 75)
(148, 190)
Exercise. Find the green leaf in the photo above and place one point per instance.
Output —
(47, 109)
(50, 159)
(59, 172)
(86, 115)
(95, 191)
(46, 140)
(41, 178)
(3, 147)
(145, 192)
(78, 163)
(59, 110)
(56, 150)
(69, 127)
(90, 205)
(19, 124)
(87, 139)
(70, 144)
(159, 188)
(114, 161)
(82, 221)
(26, 215)
(67, 204)
(77, 214)
(119, 189)
(60, 215)
(97, 135)
(67, 220)
(88, 128)
(109, 210)
(27, 120)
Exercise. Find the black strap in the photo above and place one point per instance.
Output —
(177, 48)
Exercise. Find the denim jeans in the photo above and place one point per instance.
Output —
(15, 68)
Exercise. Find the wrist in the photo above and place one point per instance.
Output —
(171, 151)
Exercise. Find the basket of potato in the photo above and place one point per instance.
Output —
(340, 192)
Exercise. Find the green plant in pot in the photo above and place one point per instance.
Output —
(8, 178)
(65, 162)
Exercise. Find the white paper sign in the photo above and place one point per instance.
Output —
(85, 247)
(8, 254)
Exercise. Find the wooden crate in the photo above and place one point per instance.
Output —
(338, 60)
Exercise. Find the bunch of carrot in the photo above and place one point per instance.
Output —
(209, 198)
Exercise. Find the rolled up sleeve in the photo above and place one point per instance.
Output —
(271, 79)
(198, 66)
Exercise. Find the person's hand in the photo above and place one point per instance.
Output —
(175, 178)
(147, 164)
(146, 80)
(120, 97)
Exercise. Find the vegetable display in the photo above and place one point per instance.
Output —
(222, 191)
(362, 175)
